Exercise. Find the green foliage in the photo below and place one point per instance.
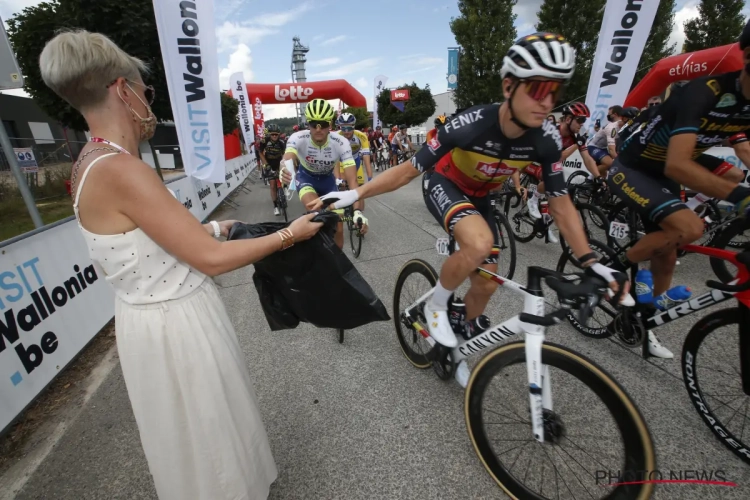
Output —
(131, 25)
(420, 106)
(485, 32)
(285, 124)
(230, 110)
(657, 45)
(719, 22)
(362, 115)
(579, 22)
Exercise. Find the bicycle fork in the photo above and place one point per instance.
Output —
(540, 391)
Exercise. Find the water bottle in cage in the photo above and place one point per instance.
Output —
(457, 315)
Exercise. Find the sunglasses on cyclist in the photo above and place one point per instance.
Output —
(539, 90)
(318, 124)
(347, 129)
(580, 119)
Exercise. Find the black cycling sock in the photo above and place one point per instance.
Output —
(738, 194)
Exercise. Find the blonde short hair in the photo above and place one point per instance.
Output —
(78, 65)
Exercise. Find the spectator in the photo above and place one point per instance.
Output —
(185, 373)
(551, 118)
(654, 101)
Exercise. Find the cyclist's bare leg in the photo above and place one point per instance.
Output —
(480, 292)
(273, 190)
(734, 174)
(540, 187)
(679, 228)
(604, 165)
(475, 242)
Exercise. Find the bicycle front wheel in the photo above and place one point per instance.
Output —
(416, 278)
(506, 261)
(563, 451)
(355, 240)
(713, 377)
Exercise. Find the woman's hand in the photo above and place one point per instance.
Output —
(303, 229)
(225, 226)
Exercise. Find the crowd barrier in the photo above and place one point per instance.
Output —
(53, 300)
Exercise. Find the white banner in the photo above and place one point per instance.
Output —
(188, 49)
(625, 29)
(378, 85)
(239, 91)
(53, 300)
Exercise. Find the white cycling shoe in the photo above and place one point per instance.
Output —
(656, 349)
(533, 206)
(276, 211)
(551, 236)
(439, 326)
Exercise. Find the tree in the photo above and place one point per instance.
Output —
(484, 32)
(719, 22)
(362, 115)
(417, 109)
(230, 110)
(131, 25)
(657, 46)
(579, 22)
(285, 124)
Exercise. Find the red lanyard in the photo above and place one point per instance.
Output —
(110, 143)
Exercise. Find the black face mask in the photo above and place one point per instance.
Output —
(610, 118)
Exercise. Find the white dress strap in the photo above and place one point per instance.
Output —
(83, 179)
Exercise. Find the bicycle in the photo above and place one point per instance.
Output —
(270, 175)
(547, 425)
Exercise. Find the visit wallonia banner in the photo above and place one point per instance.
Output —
(188, 46)
(623, 35)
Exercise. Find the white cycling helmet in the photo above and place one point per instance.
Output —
(540, 54)
(346, 119)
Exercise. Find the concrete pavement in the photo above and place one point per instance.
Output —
(356, 420)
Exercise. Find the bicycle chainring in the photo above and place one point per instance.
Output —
(629, 328)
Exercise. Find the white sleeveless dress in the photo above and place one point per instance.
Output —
(187, 379)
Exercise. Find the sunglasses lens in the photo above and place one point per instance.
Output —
(319, 124)
(347, 129)
(540, 90)
(581, 119)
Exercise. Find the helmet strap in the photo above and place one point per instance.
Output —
(510, 108)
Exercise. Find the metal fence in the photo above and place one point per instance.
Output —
(47, 154)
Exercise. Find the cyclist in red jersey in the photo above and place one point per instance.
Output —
(574, 116)
(439, 122)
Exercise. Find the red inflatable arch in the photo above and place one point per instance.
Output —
(291, 93)
(687, 66)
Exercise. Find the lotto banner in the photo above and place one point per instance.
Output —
(188, 48)
(378, 85)
(258, 116)
(246, 110)
(622, 37)
(453, 67)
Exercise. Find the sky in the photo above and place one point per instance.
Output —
(405, 41)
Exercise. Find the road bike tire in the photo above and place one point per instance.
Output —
(341, 335)
(507, 243)
(693, 341)
(607, 256)
(598, 218)
(281, 198)
(355, 240)
(723, 240)
(577, 185)
(634, 433)
(415, 266)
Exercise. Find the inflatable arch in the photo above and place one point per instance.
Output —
(685, 66)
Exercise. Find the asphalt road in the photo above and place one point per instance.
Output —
(356, 420)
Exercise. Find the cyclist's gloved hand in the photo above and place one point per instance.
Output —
(345, 198)
(613, 277)
(600, 181)
(339, 182)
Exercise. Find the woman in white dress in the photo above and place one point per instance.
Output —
(186, 377)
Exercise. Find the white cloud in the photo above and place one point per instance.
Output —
(419, 70)
(411, 56)
(318, 38)
(240, 60)
(687, 12)
(8, 8)
(253, 30)
(526, 11)
(347, 69)
(279, 111)
(335, 39)
(362, 82)
(329, 61)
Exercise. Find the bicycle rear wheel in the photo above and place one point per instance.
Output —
(414, 346)
(607, 398)
(734, 237)
(355, 239)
